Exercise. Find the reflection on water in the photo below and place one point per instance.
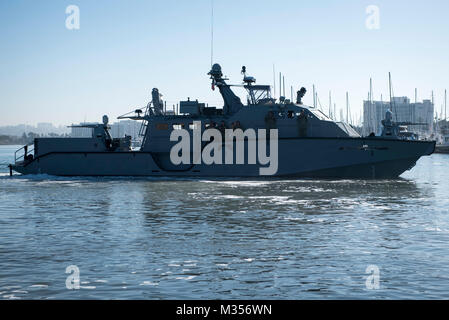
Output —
(217, 239)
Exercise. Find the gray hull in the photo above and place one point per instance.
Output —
(298, 157)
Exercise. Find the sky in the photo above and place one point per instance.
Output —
(124, 48)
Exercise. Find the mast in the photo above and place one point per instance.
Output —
(280, 86)
(347, 107)
(392, 105)
(212, 34)
(283, 85)
(274, 82)
(314, 97)
(389, 87)
(371, 103)
(335, 112)
(330, 104)
(445, 104)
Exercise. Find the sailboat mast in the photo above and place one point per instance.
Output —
(280, 85)
(371, 104)
(314, 97)
(389, 86)
(335, 112)
(347, 107)
(392, 105)
(283, 85)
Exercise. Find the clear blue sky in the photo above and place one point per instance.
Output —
(125, 48)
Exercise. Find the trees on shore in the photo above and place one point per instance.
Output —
(25, 138)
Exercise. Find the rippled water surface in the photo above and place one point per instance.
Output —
(217, 239)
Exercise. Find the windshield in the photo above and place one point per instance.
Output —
(319, 114)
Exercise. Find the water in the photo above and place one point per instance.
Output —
(216, 239)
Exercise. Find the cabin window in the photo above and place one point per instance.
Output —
(162, 126)
(320, 115)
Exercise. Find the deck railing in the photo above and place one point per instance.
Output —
(21, 154)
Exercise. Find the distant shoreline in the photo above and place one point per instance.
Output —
(6, 140)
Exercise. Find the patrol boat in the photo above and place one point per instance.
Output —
(309, 144)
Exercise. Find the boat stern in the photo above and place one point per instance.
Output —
(23, 159)
(22, 168)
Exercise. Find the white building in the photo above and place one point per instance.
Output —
(126, 127)
(403, 111)
(45, 128)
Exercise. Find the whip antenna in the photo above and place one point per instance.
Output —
(212, 34)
